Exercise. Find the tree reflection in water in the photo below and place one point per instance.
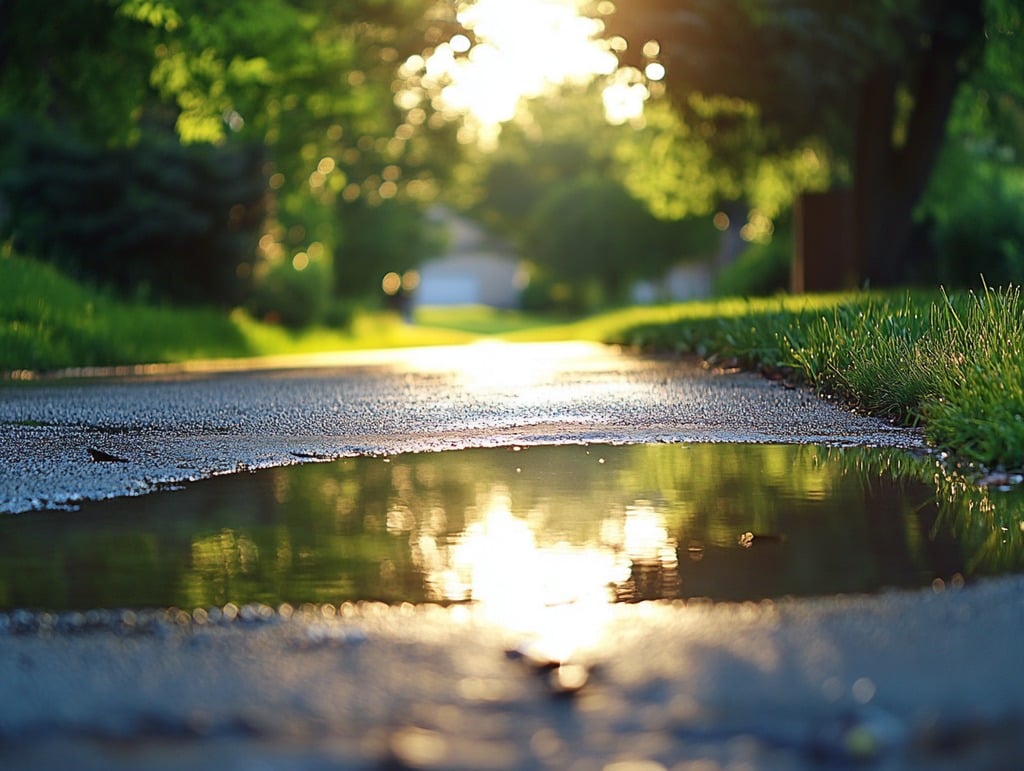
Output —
(520, 530)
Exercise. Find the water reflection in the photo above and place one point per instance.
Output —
(521, 531)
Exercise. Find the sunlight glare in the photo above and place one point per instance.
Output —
(655, 71)
(625, 96)
(557, 595)
(500, 366)
(525, 48)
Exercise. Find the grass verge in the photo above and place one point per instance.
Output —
(953, 364)
(48, 322)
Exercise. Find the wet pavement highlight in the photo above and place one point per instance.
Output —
(524, 526)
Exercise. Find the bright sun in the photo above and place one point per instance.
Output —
(524, 49)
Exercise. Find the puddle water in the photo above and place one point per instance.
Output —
(540, 524)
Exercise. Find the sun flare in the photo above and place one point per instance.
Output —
(524, 49)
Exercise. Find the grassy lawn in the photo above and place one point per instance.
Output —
(482, 320)
(48, 322)
(953, 364)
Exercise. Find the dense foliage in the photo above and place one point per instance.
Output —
(560, 186)
(205, 149)
(595, 238)
(280, 153)
(867, 88)
(175, 221)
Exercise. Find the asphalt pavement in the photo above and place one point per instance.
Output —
(923, 679)
(175, 425)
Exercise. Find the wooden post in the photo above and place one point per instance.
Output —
(825, 256)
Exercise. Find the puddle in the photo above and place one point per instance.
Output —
(541, 524)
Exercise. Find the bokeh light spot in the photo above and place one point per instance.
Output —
(655, 71)
(460, 44)
(391, 283)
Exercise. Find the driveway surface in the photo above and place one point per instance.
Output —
(926, 679)
(180, 426)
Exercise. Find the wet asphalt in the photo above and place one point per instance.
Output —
(924, 679)
(63, 441)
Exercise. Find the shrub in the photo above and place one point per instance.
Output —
(592, 236)
(761, 270)
(292, 297)
(161, 219)
(974, 204)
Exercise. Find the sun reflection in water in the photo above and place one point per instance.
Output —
(649, 555)
(557, 594)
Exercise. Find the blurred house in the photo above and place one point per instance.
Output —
(685, 281)
(475, 269)
(690, 281)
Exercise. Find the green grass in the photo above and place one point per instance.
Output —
(482, 319)
(49, 322)
(953, 364)
(522, 326)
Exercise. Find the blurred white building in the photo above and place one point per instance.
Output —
(476, 269)
(685, 281)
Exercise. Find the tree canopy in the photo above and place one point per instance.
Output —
(308, 86)
(872, 83)
(247, 143)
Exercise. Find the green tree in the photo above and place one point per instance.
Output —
(315, 82)
(875, 82)
(307, 86)
(973, 202)
(594, 238)
(378, 238)
(553, 140)
(560, 184)
(81, 66)
(974, 199)
(171, 221)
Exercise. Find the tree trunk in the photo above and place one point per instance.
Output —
(872, 161)
(889, 180)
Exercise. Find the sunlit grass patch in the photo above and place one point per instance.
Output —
(48, 322)
(979, 363)
(871, 351)
(483, 319)
(728, 326)
(368, 329)
(952, 363)
(752, 331)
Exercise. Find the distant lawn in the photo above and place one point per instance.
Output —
(482, 319)
(50, 322)
(525, 326)
(688, 327)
